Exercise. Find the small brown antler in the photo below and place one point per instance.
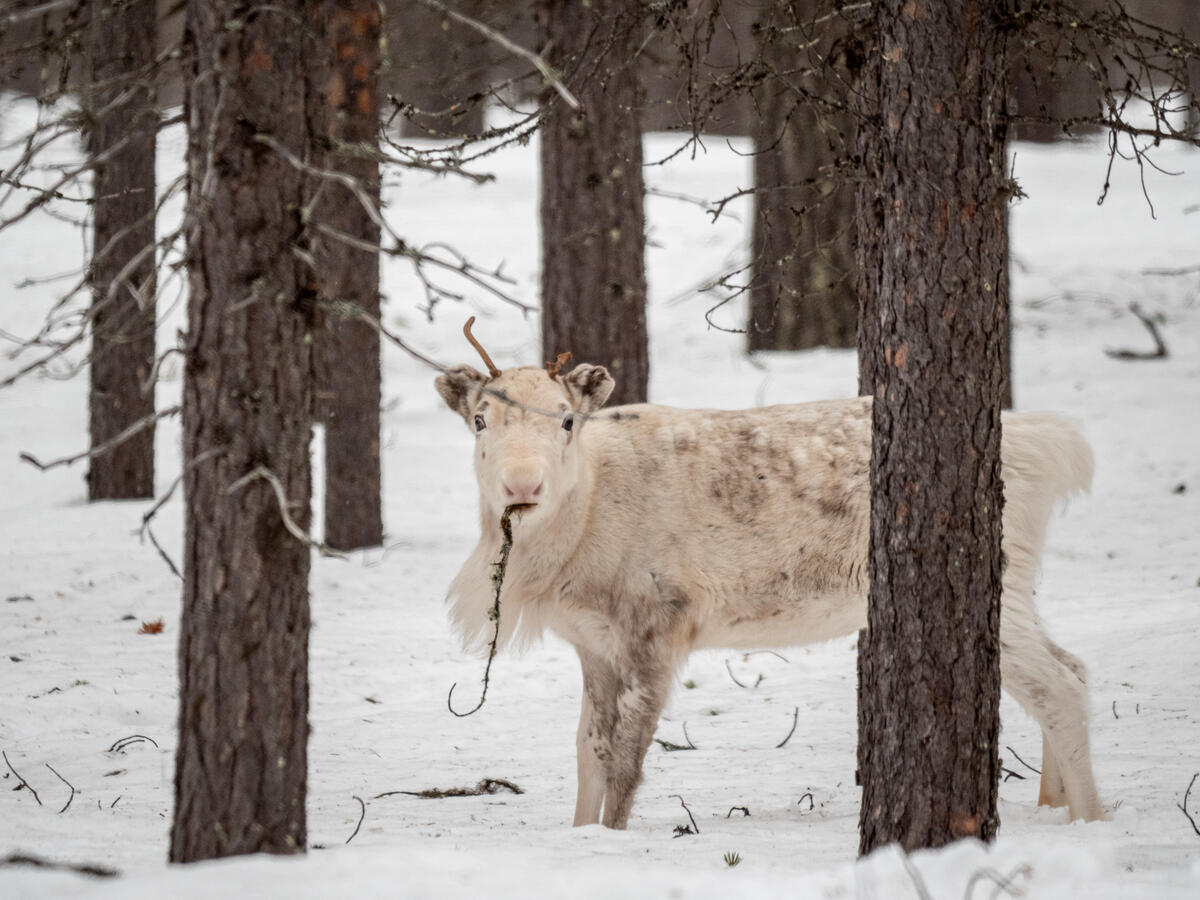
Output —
(487, 360)
(553, 368)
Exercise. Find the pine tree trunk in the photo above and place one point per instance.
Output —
(343, 110)
(241, 763)
(803, 293)
(593, 227)
(122, 36)
(932, 255)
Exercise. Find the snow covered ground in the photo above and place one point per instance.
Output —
(1121, 588)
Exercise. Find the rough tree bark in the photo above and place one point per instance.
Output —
(343, 111)
(241, 763)
(932, 251)
(593, 227)
(803, 293)
(122, 38)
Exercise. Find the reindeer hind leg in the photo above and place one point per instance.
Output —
(1045, 680)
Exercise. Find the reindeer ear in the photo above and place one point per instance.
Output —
(588, 387)
(459, 387)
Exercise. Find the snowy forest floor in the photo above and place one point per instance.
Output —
(1121, 588)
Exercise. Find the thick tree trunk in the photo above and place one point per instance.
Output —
(122, 36)
(343, 110)
(932, 252)
(241, 763)
(593, 227)
(803, 293)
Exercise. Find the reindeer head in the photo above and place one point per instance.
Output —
(527, 424)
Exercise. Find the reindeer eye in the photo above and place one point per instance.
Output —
(569, 422)
(479, 423)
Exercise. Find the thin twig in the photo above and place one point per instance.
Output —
(362, 815)
(262, 472)
(67, 783)
(757, 681)
(1182, 806)
(1003, 882)
(100, 449)
(34, 11)
(917, 880)
(745, 811)
(795, 719)
(681, 830)
(162, 552)
(672, 747)
(148, 516)
(122, 743)
(1160, 348)
(551, 77)
(775, 653)
(39, 799)
(500, 566)
(1021, 761)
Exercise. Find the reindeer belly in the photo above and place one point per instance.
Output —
(789, 622)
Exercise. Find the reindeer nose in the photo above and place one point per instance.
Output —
(523, 488)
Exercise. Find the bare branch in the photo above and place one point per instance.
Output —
(1159, 352)
(100, 449)
(24, 15)
(681, 830)
(795, 721)
(1182, 806)
(362, 815)
(1021, 761)
(67, 783)
(551, 77)
(265, 474)
(485, 786)
(29, 786)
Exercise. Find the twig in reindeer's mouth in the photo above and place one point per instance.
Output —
(494, 614)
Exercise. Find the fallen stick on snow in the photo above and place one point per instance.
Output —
(22, 780)
(1160, 348)
(485, 786)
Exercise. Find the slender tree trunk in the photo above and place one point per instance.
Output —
(593, 226)
(932, 255)
(241, 763)
(343, 110)
(803, 293)
(123, 289)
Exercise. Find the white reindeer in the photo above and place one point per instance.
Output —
(649, 532)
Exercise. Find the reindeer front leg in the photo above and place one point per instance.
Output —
(643, 686)
(594, 737)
